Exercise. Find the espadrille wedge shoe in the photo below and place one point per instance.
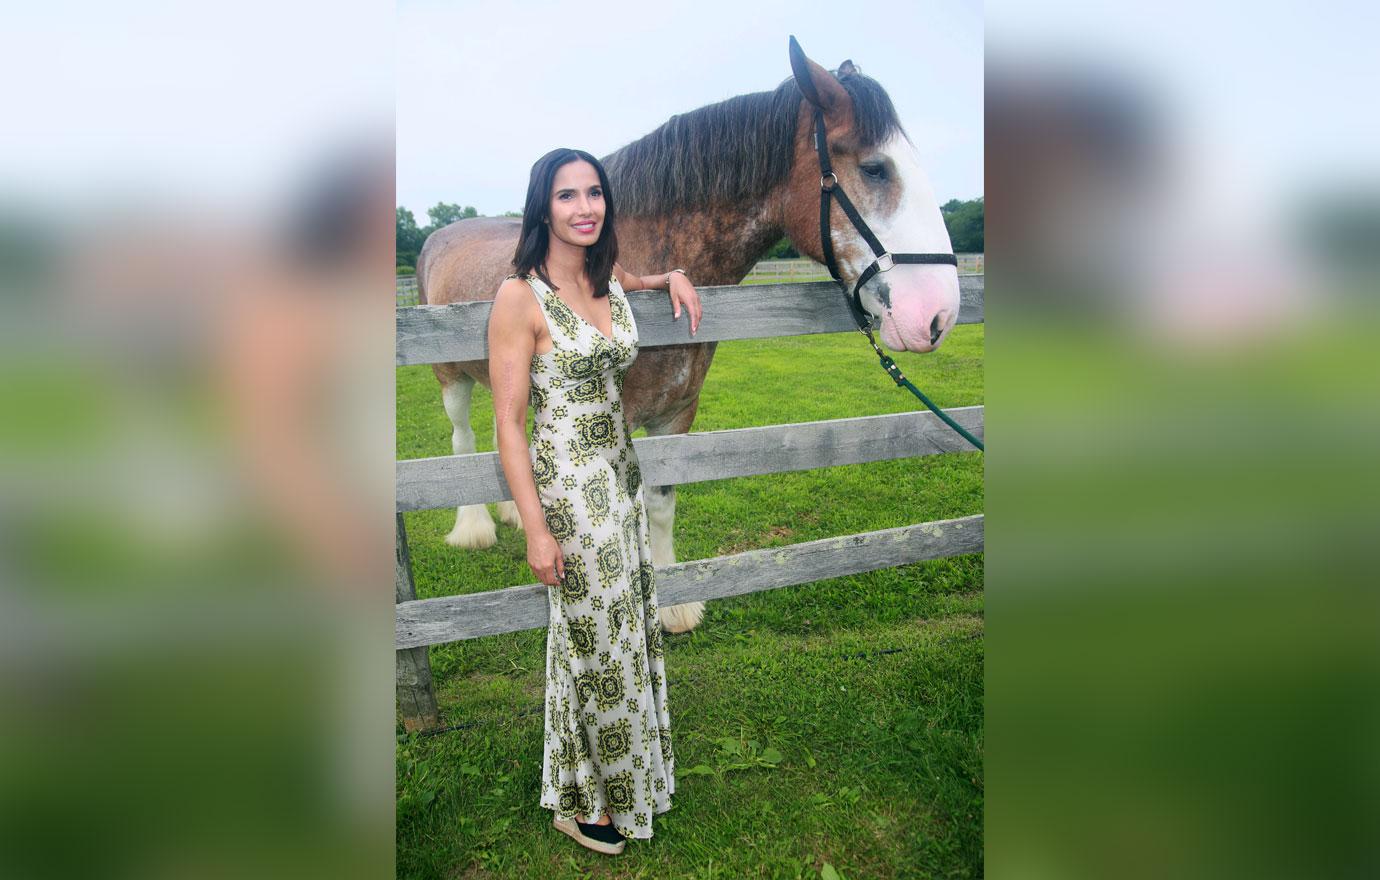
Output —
(600, 838)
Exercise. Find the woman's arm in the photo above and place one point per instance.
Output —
(629, 281)
(681, 290)
(512, 344)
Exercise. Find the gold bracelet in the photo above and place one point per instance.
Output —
(669, 274)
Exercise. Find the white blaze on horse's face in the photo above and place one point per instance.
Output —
(918, 302)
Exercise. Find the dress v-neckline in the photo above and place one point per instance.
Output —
(590, 323)
(609, 338)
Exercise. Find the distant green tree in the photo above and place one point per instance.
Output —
(444, 214)
(782, 250)
(409, 238)
(965, 223)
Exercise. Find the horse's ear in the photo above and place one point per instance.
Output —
(847, 68)
(818, 86)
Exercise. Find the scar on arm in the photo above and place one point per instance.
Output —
(508, 394)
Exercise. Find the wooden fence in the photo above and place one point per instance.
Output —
(406, 290)
(778, 270)
(432, 334)
(803, 267)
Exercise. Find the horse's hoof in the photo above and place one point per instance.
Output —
(473, 531)
(508, 514)
(682, 618)
(472, 539)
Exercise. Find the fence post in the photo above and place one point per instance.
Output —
(416, 696)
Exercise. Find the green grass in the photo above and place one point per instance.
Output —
(869, 687)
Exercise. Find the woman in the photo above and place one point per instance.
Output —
(607, 762)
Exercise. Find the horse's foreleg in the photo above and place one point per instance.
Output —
(507, 510)
(661, 519)
(474, 528)
(660, 502)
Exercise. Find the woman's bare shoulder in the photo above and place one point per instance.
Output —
(514, 300)
(514, 288)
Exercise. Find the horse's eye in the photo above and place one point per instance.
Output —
(874, 170)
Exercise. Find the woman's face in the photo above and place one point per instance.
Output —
(577, 204)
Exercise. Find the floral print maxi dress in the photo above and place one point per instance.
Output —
(608, 725)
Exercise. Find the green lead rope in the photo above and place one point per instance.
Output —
(895, 373)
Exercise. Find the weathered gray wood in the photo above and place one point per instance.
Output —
(416, 692)
(477, 478)
(459, 332)
(435, 621)
(971, 293)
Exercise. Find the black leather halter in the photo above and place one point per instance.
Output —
(829, 188)
(882, 260)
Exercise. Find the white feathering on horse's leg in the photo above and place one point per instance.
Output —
(507, 510)
(474, 528)
(682, 618)
(508, 514)
(660, 503)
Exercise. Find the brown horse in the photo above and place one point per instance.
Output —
(711, 191)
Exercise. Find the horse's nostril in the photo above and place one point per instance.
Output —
(936, 330)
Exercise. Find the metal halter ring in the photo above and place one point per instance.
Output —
(885, 262)
(826, 177)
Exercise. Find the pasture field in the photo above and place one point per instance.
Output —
(828, 729)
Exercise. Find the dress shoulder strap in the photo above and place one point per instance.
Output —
(532, 282)
(535, 285)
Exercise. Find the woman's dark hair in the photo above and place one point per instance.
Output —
(535, 237)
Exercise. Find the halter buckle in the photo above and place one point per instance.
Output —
(885, 263)
(830, 186)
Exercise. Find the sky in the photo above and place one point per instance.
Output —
(485, 88)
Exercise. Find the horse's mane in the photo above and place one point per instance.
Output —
(733, 150)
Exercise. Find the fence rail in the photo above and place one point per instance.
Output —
(801, 267)
(804, 267)
(477, 478)
(453, 618)
(459, 332)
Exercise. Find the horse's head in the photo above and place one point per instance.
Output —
(878, 167)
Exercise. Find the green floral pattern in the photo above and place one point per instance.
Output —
(544, 465)
(615, 741)
(560, 515)
(607, 742)
(596, 498)
(589, 391)
(575, 585)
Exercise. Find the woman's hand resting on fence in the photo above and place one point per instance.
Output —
(544, 556)
(683, 294)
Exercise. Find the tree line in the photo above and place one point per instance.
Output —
(965, 223)
(411, 237)
(964, 220)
